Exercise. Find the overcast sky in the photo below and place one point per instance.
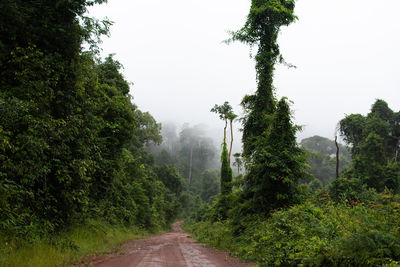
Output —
(347, 54)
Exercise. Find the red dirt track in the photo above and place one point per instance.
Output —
(173, 249)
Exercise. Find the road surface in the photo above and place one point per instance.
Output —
(173, 249)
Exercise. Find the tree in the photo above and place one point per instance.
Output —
(276, 163)
(374, 141)
(231, 117)
(261, 30)
(238, 162)
(226, 172)
(72, 144)
(225, 113)
(47, 111)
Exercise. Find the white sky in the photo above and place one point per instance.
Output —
(347, 54)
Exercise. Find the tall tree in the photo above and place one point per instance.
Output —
(238, 162)
(226, 172)
(261, 30)
(276, 163)
(46, 85)
(225, 113)
(231, 118)
(374, 141)
(72, 144)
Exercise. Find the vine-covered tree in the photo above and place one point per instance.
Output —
(261, 30)
(276, 163)
(226, 114)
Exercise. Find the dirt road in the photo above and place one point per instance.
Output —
(173, 249)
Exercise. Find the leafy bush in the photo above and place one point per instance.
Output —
(325, 234)
(350, 190)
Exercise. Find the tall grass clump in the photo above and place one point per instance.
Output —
(93, 238)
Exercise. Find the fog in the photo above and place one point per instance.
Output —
(346, 54)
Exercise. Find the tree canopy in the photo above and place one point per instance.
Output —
(71, 141)
(261, 29)
(275, 162)
(374, 141)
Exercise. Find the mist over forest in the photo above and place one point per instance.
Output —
(277, 163)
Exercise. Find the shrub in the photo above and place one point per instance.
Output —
(350, 190)
(310, 234)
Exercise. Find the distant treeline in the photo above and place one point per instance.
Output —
(194, 155)
(322, 160)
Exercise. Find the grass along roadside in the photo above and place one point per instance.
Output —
(93, 238)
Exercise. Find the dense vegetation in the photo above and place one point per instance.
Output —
(317, 232)
(82, 167)
(279, 213)
(72, 143)
(374, 141)
(349, 222)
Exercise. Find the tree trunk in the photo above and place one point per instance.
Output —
(337, 158)
(190, 165)
(226, 125)
(230, 149)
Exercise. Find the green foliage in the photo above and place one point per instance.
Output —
(226, 172)
(109, 73)
(261, 30)
(274, 161)
(375, 145)
(72, 144)
(224, 111)
(47, 114)
(308, 234)
(350, 190)
(276, 166)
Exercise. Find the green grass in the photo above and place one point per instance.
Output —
(93, 238)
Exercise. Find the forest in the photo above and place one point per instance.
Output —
(83, 169)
